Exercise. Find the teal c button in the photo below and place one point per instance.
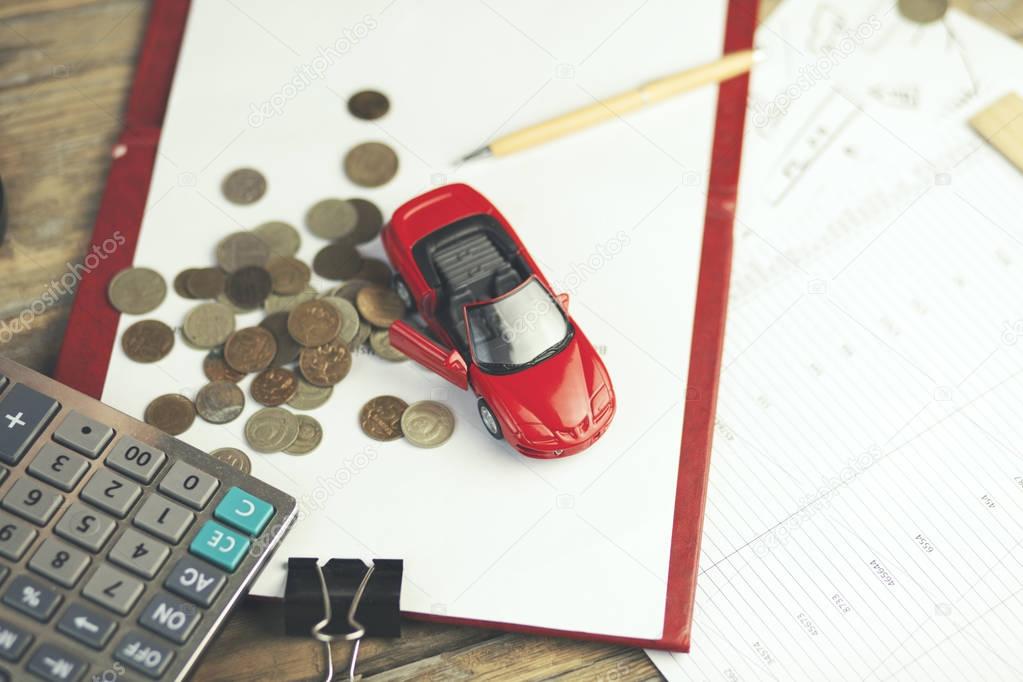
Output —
(219, 545)
(245, 512)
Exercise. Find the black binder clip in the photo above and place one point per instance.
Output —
(343, 599)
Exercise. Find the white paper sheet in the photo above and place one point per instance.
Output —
(613, 215)
(865, 511)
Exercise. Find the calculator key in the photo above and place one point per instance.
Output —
(56, 665)
(60, 562)
(84, 435)
(3, 474)
(3, 382)
(13, 641)
(139, 553)
(15, 537)
(136, 459)
(33, 501)
(245, 512)
(87, 626)
(111, 492)
(113, 589)
(58, 466)
(3, 573)
(24, 413)
(187, 484)
(219, 545)
(85, 527)
(144, 654)
(170, 617)
(32, 598)
(165, 519)
(195, 580)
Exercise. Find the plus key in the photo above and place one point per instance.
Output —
(24, 413)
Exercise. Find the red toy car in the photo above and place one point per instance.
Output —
(502, 330)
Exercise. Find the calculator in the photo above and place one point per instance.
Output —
(122, 549)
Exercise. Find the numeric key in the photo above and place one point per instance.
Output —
(163, 518)
(32, 501)
(85, 527)
(60, 562)
(136, 459)
(113, 589)
(111, 493)
(140, 554)
(15, 537)
(187, 484)
(58, 466)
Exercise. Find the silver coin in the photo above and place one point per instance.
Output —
(427, 424)
(309, 397)
(208, 325)
(380, 342)
(365, 329)
(240, 250)
(279, 304)
(235, 458)
(271, 430)
(281, 238)
(349, 319)
(332, 219)
(220, 402)
(137, 291)
(310, 433)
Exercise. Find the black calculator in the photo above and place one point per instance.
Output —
(122, 549)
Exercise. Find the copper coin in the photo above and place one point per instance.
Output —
(381, 307)
(371, 164)
(244, 186)
(147, 341)
(380, 418)
(367, 228)
(233, 457)
(332, 219)
(923, 11)
(273, 387)
(181, 283)
(248, 287)
(216, 368)
(376, 271)
(220, 402)
(287, 347)
(339, 260)
(249, 350)
(206, 283)
(368, 105)
(242, 249)
(325, 365)
(281, 238)
(288, 276)
(137, 291)
(310, 433)
(314, 323)
(171, 413)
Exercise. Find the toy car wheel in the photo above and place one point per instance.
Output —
(489, 419)
(404, 294)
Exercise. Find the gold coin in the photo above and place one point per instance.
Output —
(249, 350)
(371, 164)
(172, 413)
(244, 186)
(147, 341)
(339, 260)
(427, 424)
(325, 365)
(309, 396)
(233, 457)
(137, 291)
(273, 387)
(332, 219)
(380, 342)
(206, 283)
(271, 430)
(314, 323)
(380, 418)
(220, 402)
(208, 325)
(280, 238)
(379, 306)
(310, 433)
(288, 276)
(242, 249)
(923, 11)
(368, 105)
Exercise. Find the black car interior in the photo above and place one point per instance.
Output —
(471, 260)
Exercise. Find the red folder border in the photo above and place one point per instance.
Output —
(92, 326)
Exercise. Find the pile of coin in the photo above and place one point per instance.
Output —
(307, 339)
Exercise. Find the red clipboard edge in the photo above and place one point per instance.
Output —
(92, 326)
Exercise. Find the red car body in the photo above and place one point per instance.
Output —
(461, 265)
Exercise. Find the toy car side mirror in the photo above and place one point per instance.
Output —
(563, 300)
(446, 362)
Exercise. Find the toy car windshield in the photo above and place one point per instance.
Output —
(517, 330)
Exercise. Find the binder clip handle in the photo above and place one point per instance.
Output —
(357, 631)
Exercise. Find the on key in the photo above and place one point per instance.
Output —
(23, 414)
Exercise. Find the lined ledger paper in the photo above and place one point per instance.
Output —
(865, 513)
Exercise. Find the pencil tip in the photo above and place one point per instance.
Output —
(480, 153)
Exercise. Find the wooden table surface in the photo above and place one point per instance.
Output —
(65, 68)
